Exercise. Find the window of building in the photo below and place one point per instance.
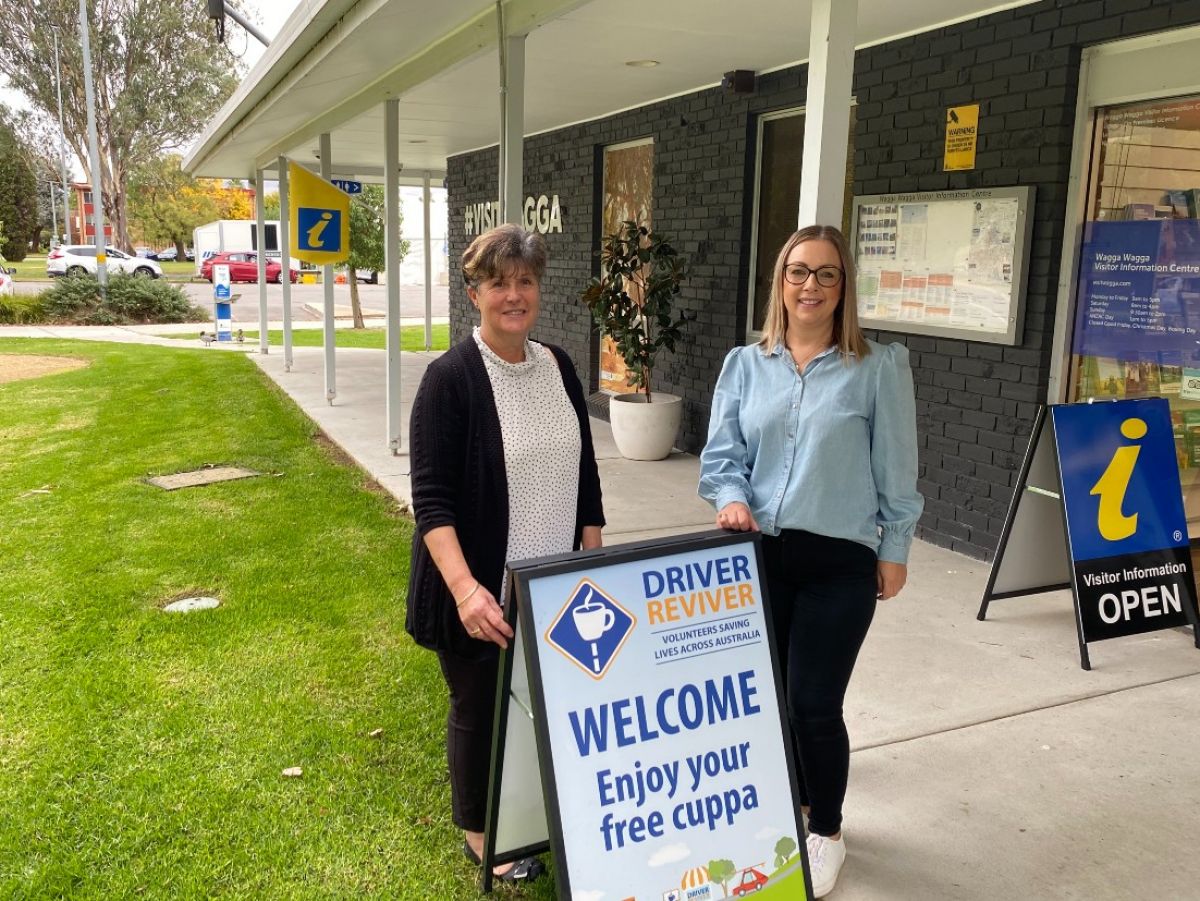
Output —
(1137, 320)
(628, 193)
(780, 147)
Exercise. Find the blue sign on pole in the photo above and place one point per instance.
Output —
(350, 187)
(221, 292)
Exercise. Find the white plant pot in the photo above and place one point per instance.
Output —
(645, 431)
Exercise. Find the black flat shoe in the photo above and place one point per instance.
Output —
(526, 869)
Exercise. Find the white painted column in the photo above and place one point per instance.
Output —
(285, 260)
(427, 199)
(327, 283)
(512, 127)
(827, 114)
(391, 243)
(260, 225)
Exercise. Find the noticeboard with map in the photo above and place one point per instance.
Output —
(945, 263)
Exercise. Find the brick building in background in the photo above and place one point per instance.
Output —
(1050, 79)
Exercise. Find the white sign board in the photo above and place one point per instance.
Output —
(944, 263)
(662, 741)
(221, 281)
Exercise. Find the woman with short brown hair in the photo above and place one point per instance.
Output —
(502, 469)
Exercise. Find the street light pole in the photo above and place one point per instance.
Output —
(53, 214)
(94, 148)
(66, 194)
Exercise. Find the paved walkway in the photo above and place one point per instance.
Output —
(986, 763)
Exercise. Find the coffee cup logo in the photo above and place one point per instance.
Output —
(592, 620)
(590, 628)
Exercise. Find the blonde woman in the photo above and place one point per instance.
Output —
(812, 441)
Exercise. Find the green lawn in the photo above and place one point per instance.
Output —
(140, 752)
(412, 337)
(33, 269)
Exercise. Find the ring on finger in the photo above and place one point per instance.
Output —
(476, 630)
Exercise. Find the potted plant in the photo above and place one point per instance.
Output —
(640, 276)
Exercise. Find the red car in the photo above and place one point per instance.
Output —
(243, 267)
(752, 881)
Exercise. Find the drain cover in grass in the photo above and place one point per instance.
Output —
(189, 605)
(202, 477)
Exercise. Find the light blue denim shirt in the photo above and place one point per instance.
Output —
(832, 450)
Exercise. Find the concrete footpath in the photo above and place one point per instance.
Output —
(986, 763)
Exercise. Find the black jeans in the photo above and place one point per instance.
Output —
(469, 735)
(822, 594)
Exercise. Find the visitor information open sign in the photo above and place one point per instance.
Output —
(660, 727)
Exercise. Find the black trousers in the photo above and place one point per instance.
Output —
(472, 686)
(823, 594)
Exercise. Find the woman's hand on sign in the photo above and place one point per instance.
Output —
(737, 518)
(482, 616)
(890, 578)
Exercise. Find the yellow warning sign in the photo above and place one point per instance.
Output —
(962, 129)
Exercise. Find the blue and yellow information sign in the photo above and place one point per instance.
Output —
(664, 749)
(320, 219)
(1125, 519)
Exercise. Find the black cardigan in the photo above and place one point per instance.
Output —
(459, 480)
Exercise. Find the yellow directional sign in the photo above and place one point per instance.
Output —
(319, 225)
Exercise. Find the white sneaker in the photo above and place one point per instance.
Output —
(825, 859)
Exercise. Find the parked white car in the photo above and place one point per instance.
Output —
(77, 259)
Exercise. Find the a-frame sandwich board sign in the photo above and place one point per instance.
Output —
(1098, 508)
(657, 715)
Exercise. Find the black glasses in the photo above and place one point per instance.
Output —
(827, 276)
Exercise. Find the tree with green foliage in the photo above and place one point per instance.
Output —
(18, 194)
(166, 204)
(159, 76)
(720, 872)
(784, 848)
(368, 244)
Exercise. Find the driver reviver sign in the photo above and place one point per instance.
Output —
(662, 739)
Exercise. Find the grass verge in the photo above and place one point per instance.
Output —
(33, 269)
(141, 753)
(412, 337)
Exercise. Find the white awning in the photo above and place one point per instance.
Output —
(335, 62)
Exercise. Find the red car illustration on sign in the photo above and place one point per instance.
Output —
(752, 881)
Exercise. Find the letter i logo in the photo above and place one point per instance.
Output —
(314, 233)
(1113, 524)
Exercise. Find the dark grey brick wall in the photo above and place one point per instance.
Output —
(975, 402)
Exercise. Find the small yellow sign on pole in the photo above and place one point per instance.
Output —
(962, 130)
(320, 221)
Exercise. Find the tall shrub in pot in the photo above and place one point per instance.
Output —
(632, 301)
